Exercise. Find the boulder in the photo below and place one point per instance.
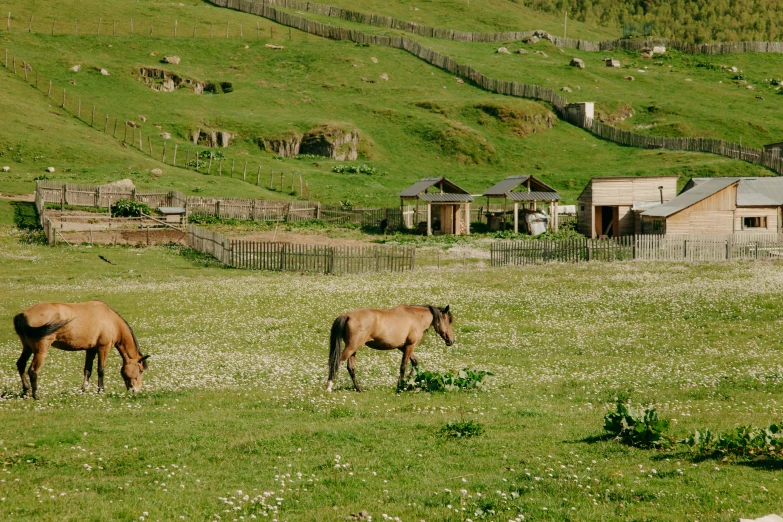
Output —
(503, 50)
(734, 69)
(385, 77)
(213, 138)
(459, 80)
(612, 62)
(6, 169)
(658, 49)
(104, 72)
(530, 40)
(521, 51)
(49, 169)
(576, 62)
(171, 59)
(373, 59)
(646, 53)
(157, 172)
(367, 80)
(629, 78)
(123, 185)
(542, 53)
(543, 35)
(767, 518)
(132, 124)
(142, 118)
(76, 68)
(566, 89)
(272, 46)
(165, 135)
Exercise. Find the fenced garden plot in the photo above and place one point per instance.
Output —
(293, 257)
(640, 247)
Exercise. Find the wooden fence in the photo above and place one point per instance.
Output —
(640, 247)
(291, 257)
(102, 196)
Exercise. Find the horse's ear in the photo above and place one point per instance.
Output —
(144, 362)
(446, 310)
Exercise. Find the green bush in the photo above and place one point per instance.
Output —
(462, 429)
(129, 208)
(355, 169)
(743, 441)
(636, 427)
(465, 379)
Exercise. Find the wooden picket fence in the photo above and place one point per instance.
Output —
(639, 247)
(292, 257)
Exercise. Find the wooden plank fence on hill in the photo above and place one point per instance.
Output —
(628, 138)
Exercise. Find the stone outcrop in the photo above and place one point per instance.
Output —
(212, 138)
(325, 140)
(123, 185)
(174, 60)
(166, 81)
(576, 62)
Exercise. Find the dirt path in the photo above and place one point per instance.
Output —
(29, 198)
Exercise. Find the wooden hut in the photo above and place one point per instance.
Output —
(720, 206)
(524, 192)
(605, 208)
(451, 205)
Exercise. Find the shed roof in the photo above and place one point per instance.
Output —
(699, 192)
(445, 197)
(534, 196)
(752, 192)
(504, 186)
(425, 183)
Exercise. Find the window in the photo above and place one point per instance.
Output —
(581, 208)
(754, 222)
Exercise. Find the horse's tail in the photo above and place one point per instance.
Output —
(23, 328)
(336, 346)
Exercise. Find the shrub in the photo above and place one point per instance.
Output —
(355, 169)
(635, 427)
(462, 429)
(129, 208)
(744, 441)
(465, 379)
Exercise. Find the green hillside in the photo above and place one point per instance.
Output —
(413, 119)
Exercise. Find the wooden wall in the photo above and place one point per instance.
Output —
(771, 213)
(711, 216)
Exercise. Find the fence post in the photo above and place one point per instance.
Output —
(64, 197)
(174, 163)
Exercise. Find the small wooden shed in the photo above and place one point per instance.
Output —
(451, 202)
(525, 192)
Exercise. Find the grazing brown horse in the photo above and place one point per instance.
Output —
(90, 326)
(400, 328)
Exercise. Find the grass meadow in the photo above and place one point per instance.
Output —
(233, 422)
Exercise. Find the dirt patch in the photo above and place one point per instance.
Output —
(125, 237)
(292, 237)
(29, 198)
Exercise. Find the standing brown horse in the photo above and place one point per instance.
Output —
(400, 328)
(90, 326)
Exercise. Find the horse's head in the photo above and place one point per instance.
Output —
(132, 370)
(441, 321)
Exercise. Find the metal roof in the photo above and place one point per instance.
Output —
(505, 186)
(752, 192)
(534, 196)
(445, 197)
(699, 192)
(425, 183)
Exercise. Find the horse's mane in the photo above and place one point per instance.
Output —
(135, 341)
(437, 314)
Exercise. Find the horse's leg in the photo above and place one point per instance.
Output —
(21, 365)
(407, 352)
(39, 355)
(103, 353)
(88, 360)
(351, 365)
(414, 364)
(348, 352)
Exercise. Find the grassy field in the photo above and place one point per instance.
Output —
(233, 421)
(418, 123)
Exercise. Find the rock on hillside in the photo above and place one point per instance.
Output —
(330, 141)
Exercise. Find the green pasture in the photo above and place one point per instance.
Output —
(233, 410)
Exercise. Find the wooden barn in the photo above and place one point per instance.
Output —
(451, 212)
(520, 192)
(609, 206)
(720, 206)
